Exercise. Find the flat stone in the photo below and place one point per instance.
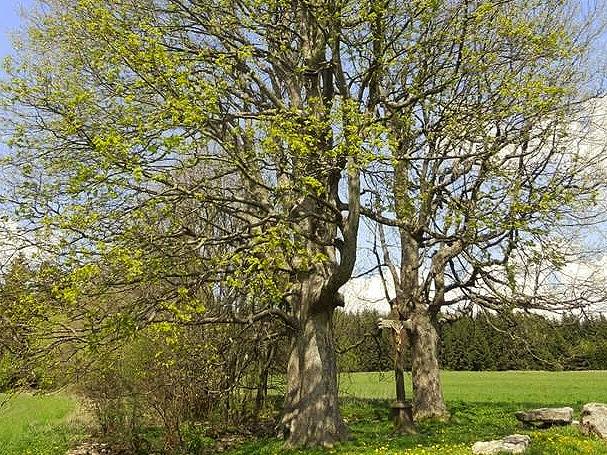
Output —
(594, 419)
(516, 443)
(546, 417)
(90, 448)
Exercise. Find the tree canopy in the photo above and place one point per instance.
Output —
(208, 162)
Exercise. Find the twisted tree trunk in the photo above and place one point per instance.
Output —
(311, 414)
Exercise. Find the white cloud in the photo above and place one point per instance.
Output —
(367, 293)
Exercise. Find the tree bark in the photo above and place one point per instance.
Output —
(311, 415)
(262, 382)
(428, 401)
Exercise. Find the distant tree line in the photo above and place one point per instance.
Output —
(483, 342)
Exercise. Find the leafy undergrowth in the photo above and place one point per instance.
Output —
(39, 424)
(372, 433)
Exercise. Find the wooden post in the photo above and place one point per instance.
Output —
(401, 409)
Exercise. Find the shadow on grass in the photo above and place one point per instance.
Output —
(372, 432)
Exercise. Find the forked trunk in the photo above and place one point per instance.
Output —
(312, 416)
(428, 402)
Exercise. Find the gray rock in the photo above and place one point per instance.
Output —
(516, 443)
(594, 419)
(90, 448)
(546, 417)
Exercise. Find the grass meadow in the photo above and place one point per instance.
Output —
(482, 406)
(39, 424)
(492, 386)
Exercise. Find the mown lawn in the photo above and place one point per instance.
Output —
(38, 424)
(566, 387)
(482, 406)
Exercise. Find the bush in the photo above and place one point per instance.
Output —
(164, 389)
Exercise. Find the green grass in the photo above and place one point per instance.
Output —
(38, 424)
(493, 386)
(482, 406)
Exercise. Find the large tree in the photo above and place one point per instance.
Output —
(165, 146)
(483, 168)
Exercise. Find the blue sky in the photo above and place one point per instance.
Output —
(10, 20)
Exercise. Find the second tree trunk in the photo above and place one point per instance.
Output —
(428, 402)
